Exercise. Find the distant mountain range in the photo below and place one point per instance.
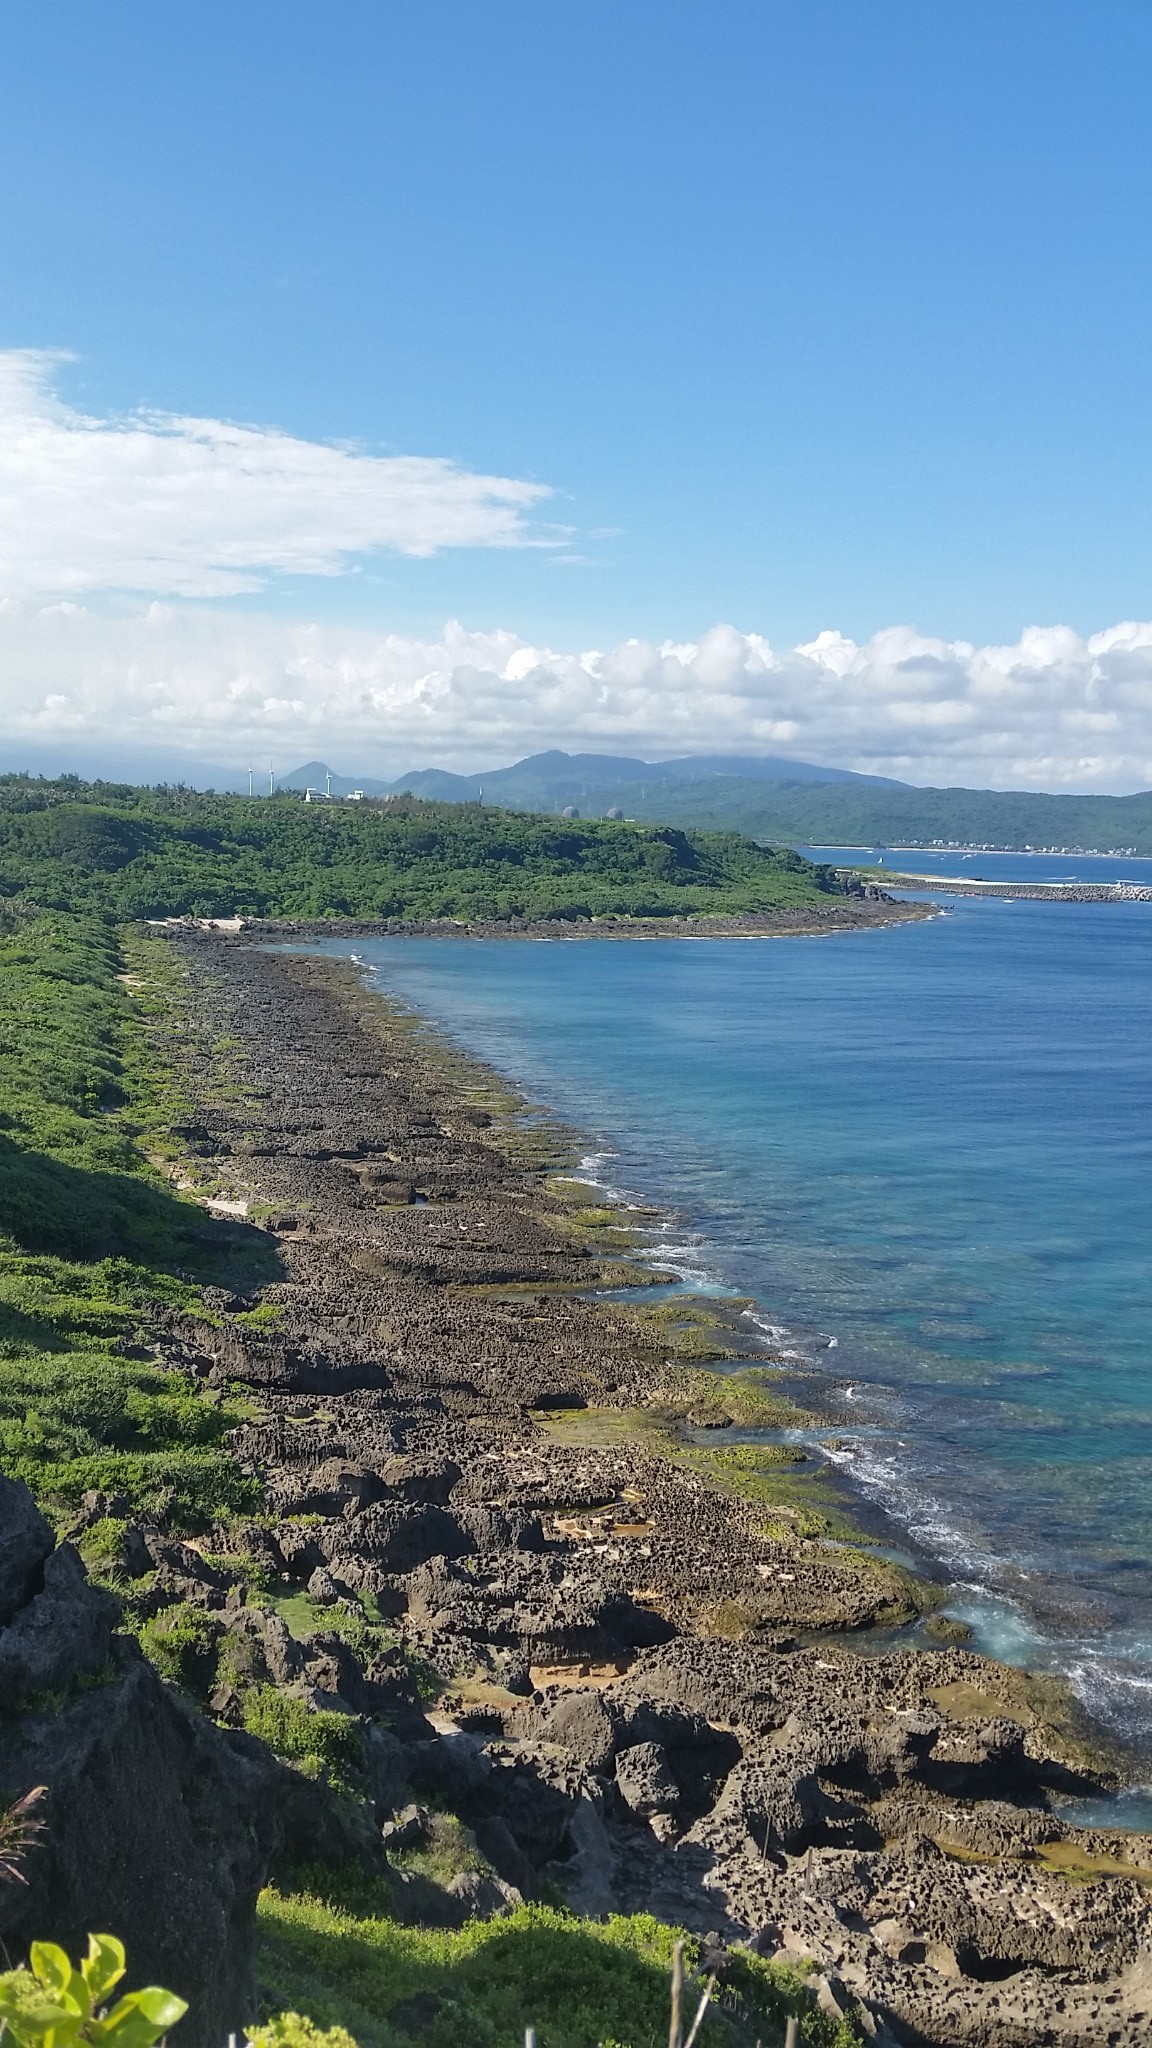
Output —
(593, 782)
(772, 799)
(777, 801)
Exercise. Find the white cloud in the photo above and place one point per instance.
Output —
(1054, 711)
(178, 508)
(203, 508)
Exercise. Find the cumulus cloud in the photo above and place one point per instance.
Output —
(1053, 711)
(204, 508)
(175, 509)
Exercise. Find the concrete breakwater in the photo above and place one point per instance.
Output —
(1036, 892)
(616, 1657)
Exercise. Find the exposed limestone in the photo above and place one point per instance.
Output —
(637, 1701)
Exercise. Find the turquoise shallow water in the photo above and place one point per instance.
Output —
(932, 1144)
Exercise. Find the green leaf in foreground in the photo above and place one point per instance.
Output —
(54, 2005)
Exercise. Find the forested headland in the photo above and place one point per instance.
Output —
(151, 853)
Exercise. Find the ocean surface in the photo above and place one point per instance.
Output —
(990, 867)
(927, 1152)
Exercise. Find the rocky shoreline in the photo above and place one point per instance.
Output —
(865, 907)
(491, 1553)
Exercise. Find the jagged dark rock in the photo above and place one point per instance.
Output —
(159, 1825)
(25, 1541)
(61, 1637)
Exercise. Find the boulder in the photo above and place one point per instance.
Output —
(336, 1487)
(282, 1653)
(768, 1805)
(582, 1722)
(160, 1827)
(386, 1773)
(645, 1782)
(482, 1897)
(427, 1481)
(395, 1536)
(498, 1845)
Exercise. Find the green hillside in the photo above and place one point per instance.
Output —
(135, 853)
(856, 814)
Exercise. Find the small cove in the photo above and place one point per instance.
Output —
(932, 1144)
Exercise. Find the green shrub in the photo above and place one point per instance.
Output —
(292, 2030)
(182, 1643)
(75, 1413)
(52, 2005)
(323, 1741)
(102, 1546)
(447, 1852)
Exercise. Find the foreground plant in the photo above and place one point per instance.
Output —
(21, 1826)
(53, 2005)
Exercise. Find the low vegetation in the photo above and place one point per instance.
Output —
(94, 1243)
(578, 1983)
(318, 1741)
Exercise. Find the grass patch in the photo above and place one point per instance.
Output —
(77, 1420)
(362, 1628)
(687, 1330)
(750, 1399)
(92, 1239)
(579, 1983)
(798, 1503)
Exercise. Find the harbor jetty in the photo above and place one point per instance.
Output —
(1035, 892)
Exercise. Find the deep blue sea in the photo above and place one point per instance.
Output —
(931, 1144)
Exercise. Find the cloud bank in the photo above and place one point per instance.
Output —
(99, 515)
(1054, 711)
(203, 508)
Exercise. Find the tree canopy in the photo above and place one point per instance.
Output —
(136, 853)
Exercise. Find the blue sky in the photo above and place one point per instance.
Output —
(830, 316)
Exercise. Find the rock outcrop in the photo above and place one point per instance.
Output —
(158, 1824)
